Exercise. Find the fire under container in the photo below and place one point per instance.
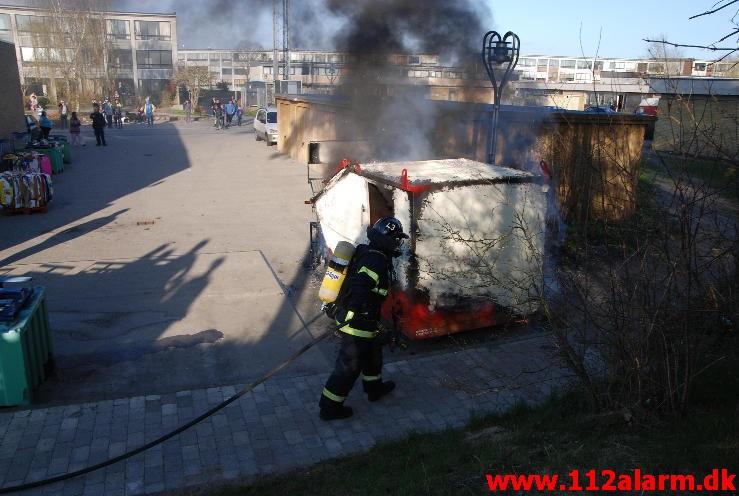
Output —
(475, 254)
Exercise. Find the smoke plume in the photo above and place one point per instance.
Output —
(385, 105)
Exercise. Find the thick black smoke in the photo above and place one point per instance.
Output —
(385, 104)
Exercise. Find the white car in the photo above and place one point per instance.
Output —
(265, 125)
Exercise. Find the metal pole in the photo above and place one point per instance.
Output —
(275, 66)
(286, 38)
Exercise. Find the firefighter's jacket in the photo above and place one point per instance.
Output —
(368, 285)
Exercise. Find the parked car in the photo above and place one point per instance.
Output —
(265, 125)
(602, 109)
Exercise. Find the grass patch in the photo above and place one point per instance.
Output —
(719, 175)
(554, 438)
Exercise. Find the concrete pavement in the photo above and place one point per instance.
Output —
(168, 256)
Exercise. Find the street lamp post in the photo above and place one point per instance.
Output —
(498, 52)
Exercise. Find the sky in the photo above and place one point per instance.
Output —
(547, 27)
(554, 27)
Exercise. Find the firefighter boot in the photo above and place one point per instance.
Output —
(377, 391)
(335, 411)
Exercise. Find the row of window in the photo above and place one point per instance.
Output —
(114, 28)
(120, 59)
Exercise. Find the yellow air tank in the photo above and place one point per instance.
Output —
(336, 272)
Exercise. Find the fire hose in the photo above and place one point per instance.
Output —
(182, 428)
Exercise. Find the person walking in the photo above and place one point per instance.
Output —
(239, 115)
(187, 107)
(230, 112)
(357, 319)
(108, 111)
(33, 102)
(62, 114)
(218, 110)
(45, 124)
(118, 114)
(75, 127)
(149, 111)
(98, 125)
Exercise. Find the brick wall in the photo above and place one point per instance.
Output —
(11, 101)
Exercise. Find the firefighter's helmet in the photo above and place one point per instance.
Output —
(387, 234)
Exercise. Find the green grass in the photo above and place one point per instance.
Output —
(554, 438)
(721, 176)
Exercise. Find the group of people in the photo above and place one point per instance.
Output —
(112, 111)
(223, 114)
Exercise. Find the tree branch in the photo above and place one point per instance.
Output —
(709, 12)
(704, 47)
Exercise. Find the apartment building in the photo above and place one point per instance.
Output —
(138, 50)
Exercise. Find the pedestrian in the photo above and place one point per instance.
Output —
(357, 318)
(62, 114)
(149, 111)
(98, 125)
(187, 107)
(230, 110)
(239, 115)
(219, 114)
(33, 102)
(74, 130)
(118, 114)
(108, 112)
(45, 124)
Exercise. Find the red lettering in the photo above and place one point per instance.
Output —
(521, 482)
(592, 483)
(624, 483)
(637, 479)
(648, 483)
(727, 480)
(710, 482)
(663, 478)
(575, 480)
(685, 482)
(610, 476)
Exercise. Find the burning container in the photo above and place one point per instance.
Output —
(476, 244)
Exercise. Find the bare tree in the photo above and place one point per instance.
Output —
(69, 42)
(194, 79)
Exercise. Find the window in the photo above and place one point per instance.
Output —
(117, 29)
(567, 64)
(28, 54)
(582, 76)
(272, 117)
(618, 65)
(32, 23)
(598, 65)
(121, 59)
(583, 64)
(414, 59)
(197, 56)
(527, 62)
(565, 77)
(226, 72)
(699, 66)
(146, 59)
(553, 63)
(152, 30)
(6, 33)
(528, 76)
(240, 72)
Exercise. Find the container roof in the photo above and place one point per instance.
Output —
(446, 172)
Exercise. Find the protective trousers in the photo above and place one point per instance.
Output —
(356, 355)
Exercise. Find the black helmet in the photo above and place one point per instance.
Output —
(387, 235)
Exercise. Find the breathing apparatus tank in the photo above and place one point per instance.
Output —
(336, 272)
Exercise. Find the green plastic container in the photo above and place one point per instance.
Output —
(26, 357)
(66, 150)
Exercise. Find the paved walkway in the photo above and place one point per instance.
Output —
(273, 429)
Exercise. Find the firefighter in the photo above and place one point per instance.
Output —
(357, 319)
